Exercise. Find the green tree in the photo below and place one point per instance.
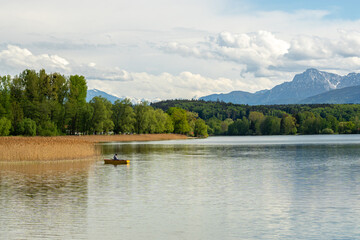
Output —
(288, 125)
(5, 126)
(47, 128)
(75, 102)
(256, 119)
(214, 126)
(85, 118)
(179, 118)
(332, 122)
(27, 127)
(225, 125)
(163, 122)
(270, 126)
(200, 129)
(239, 127)
(142, 117)
(5, 97)
(123, 116)
(191, 118)
(101, 118)
(346, 127)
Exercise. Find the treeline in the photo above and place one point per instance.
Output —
(38, 103)
(232, 119)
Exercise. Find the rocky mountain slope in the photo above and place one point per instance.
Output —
(309, 83)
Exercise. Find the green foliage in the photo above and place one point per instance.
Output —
(346, 127)
(292, 119)
(47, 128)
(76, 102)
(179, 118)
(123, 116)
(200, 128)
(5, 126)
(51, 104)
(101, 118)
(27, 127)
(288, 125)
(327, 131)
(5, 97)
(214, 126)
(239, 127)
(163, 122)
(142, 117)
(270, 126)
(256, 119)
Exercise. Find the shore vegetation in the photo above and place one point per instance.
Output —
(14, 149)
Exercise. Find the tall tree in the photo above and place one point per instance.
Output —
(142, 117)
(288, 125)
(101, 118)
(256, 119)
(75, 102)
(123, 116)
(200, 129)
(5, 97)
(180, 121)
(271, 126)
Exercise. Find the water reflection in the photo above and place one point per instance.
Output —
(43, 200)
(263, 191)
(191, 190)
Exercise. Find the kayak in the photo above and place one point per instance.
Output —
(116, 162)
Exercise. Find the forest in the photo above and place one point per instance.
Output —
(41, 104)
(233, 119)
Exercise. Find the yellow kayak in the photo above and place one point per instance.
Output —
(116, 162)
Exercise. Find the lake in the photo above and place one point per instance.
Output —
(257, 187)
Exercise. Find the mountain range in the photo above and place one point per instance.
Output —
(95, 93)
(311, 86)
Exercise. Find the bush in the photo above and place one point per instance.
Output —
(5, 126)
(48, 129)
(327, 131)
(28, 127)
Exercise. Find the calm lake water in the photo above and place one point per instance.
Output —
(277, 187)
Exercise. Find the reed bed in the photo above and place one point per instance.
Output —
(44, 148)
(13, 149)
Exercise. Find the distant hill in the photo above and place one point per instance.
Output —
(340, 96)
(95, 93)
(309, 83)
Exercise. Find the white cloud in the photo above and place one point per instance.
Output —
(257, 51)
(18, 59)
(123, 83)
(111, 43)
(265, 55)
(114, 74)
(167, 86)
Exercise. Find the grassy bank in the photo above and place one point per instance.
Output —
(65, 147)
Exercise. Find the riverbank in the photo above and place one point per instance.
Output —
(14, 149)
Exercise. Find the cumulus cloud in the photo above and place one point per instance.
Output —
(168, 86)
(265, 55)
(115, 74)
(257, 51)
(17, 59)
(124, 83)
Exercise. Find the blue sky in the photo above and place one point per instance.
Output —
(347, 9)
(165, 49)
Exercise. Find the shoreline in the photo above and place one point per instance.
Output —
(64, 148)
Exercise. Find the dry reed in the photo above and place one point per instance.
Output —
(65, 147)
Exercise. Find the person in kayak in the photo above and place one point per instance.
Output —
(115, 157)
